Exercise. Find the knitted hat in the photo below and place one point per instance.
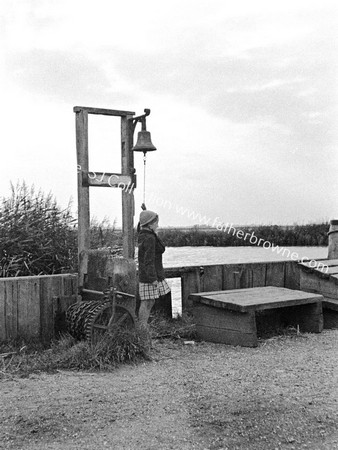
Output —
(147, 217)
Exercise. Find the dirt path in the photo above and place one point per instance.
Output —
(281, 395)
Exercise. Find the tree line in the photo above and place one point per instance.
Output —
(297, 235)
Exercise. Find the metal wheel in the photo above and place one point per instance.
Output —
(106, 318)
(91, 319)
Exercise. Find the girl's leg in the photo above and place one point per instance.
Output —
(144, 311)
(163, 306)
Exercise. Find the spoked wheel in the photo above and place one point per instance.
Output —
(91, 319)
(106, 318)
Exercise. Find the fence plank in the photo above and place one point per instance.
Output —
(11, 309)
(28, 308)
(275, 274)
(49, 287)
(69, 285)
(26, 304)
(246, 275)
(44, 308)
(191, 283)
(2, 310)
(231, 276)
(258, 274)
(212, 279)
(292, 275)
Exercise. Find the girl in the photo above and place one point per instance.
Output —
(152, 284)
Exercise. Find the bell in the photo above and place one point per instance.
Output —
(143, 143)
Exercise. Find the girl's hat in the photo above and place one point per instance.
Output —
(146, 217)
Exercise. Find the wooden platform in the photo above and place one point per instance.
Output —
(229, 316)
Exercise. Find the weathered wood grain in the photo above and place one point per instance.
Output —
(240, 276)
(191, 282)
(103, 111)
(28, 309)
(292, 275)
(311, 283)
(26, 304)
(212, 278)
(229, 316)
(11, 308)
(2, 310)
(81, 122)
(259, 298)
(108, 179)
(275, 274)
(177, 272)
(228, 327)
(128, 206)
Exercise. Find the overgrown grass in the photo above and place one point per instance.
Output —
(181, 327)
(37, 237)
(120, 347)
(104, 235)
(21, 358)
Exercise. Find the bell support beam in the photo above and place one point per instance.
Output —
(102, 111)
(128, 204)
(85, 179)
(81, 123)
(105, 179)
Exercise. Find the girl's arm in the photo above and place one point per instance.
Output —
(149, 259)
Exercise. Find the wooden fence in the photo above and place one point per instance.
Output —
(234, 276)
(31, 306)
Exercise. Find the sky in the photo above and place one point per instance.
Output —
(243, 98)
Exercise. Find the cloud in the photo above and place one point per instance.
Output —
(61, 75)
(288, 85)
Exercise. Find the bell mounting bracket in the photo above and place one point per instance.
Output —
(141, 118)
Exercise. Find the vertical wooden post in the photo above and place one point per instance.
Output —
(190, 284)
(83, 192)
(333, 240)
(128, 207)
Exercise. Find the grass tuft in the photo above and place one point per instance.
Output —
(120, 347)
(181, 327)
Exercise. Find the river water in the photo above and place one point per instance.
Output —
(195, 256)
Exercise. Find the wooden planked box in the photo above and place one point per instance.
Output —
(229, 317)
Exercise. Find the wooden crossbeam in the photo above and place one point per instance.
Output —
(102, 111)
(107, 179)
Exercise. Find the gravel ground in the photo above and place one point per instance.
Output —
(281, 395)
